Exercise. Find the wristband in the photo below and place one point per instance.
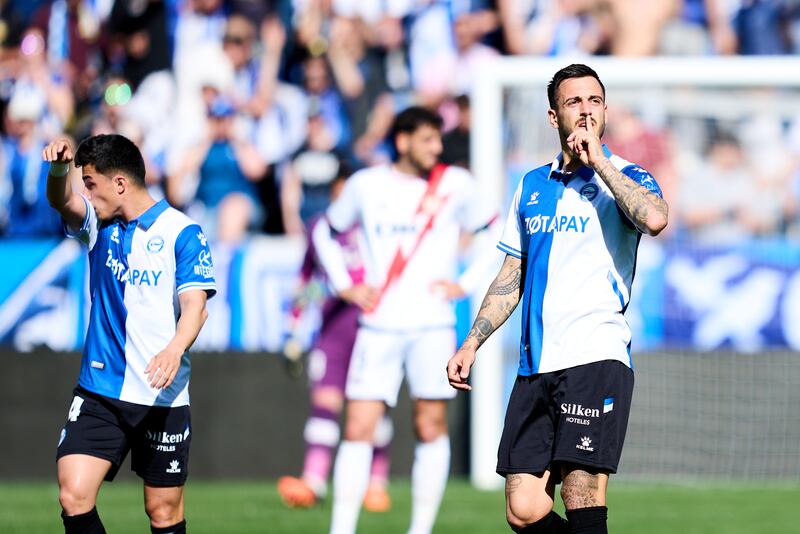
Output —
(59, 169)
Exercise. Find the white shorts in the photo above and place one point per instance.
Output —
(380, 359)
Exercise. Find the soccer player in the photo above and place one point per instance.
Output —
(328, 362)
(410, 215)
(570, 241)
(150, 275)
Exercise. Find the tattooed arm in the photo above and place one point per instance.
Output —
(646, 210)
(500, 300)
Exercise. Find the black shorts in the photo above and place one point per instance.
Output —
(573, 416)
(157, 437)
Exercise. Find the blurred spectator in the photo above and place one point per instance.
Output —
(227, 166)
(468, 30)
(23, 181)
(760, 27)
(702, 27)
(714, 194)
(139, 29)
(456, 142)
(325, 97)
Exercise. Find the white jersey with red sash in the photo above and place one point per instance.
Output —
(418, 222)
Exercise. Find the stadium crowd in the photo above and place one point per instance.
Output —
(246, 110)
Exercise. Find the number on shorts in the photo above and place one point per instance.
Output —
(75, 409)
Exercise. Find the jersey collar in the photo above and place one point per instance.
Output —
(584, 172)
(146, 219)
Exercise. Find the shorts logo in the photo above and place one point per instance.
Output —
(75, 409)
(584, 444)
(165, 442)
(608, 404)
(155, 244)
(61, 439)
(588, 192)
(578, 414)
(173, 467)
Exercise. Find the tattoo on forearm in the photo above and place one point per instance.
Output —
(636, 201)
(500, 300)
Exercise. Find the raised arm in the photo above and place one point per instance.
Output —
(59, 189)
(647, 211)
(500, 301)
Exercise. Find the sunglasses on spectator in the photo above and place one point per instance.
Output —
(235, 39)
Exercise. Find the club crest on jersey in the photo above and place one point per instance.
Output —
(155, 244)
(588, 192)
(534, 198)
(431, 204)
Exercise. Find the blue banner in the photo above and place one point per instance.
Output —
(745, 298)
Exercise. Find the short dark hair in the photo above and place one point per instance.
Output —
(576, 70)
(112, 153)
(411, 119)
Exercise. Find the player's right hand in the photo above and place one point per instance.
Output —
(458, 368)
(58, 152)
(362, 295)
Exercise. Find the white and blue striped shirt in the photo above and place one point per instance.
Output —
(579, 252)
(137, 271)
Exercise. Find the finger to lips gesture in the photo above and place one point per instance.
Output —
(584, 143)
(163, 368)
(58, 152)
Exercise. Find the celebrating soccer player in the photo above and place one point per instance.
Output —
(151, 274)
(570, 241)
(410, 215)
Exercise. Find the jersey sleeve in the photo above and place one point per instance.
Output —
(329, 254)
(345, 211)
(88, 230)
(475, 214)
(511, 240)
(193, 266)
(643, 178)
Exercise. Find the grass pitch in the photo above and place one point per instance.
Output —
(254, 507)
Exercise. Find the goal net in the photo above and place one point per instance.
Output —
(716, 300)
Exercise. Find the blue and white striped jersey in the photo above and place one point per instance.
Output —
(580, 256)
(137, 271)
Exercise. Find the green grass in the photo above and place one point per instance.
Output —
(233, 507)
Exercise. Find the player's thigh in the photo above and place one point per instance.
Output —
(529, 497)
(94, 428)
(164, 505)
(376, 367)
(582, 488)
(79, 479)
(592, 404)
(160, 447)
(426, 363)
(361, 419)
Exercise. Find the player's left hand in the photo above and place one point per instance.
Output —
(448, 289)
(585, 144)
(163, 368)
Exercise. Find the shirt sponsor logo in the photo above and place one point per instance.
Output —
(548, 224)
(588, 192)
(155, 244)
(203, 267)
(137, 277)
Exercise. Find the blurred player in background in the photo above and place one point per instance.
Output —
(410, 215)
(328, 362)
(151, 274)
(570, 241)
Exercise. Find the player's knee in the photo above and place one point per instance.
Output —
(430, 429)
(358, 430)
(74, 501)
(330, 399)
(162, 513)
(522, 515)
(581, 493)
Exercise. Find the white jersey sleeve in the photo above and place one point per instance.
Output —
(510, 241)
(87, 233)
(329, 254)
(474, 213)
(345, 211)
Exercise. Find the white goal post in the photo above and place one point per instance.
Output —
(488, 165)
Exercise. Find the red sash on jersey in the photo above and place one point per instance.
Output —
(400, 260)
